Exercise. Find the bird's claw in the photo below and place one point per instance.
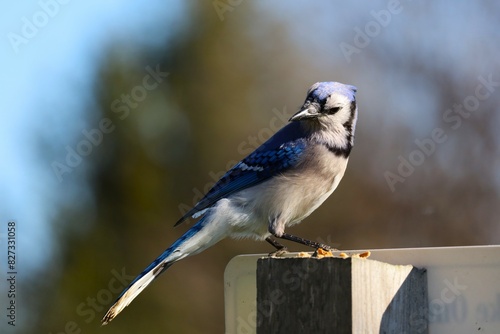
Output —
(279, 252)
(324, 248)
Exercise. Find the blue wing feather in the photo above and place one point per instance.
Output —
(274, 157)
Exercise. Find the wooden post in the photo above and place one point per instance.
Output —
(334, 295)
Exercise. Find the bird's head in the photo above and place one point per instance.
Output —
(328, 101)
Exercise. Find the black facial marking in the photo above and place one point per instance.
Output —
(332, 111)
(340, 151)
(348, 125)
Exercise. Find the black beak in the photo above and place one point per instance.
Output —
(310, 111)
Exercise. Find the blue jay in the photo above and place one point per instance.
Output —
(275, 187)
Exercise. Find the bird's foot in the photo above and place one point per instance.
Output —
(323, 250)
(279, 252)
(280, 249)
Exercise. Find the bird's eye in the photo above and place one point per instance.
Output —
(332, 111)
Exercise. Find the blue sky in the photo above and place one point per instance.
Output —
(39, 96)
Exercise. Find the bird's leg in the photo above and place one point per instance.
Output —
(277, 227)
(280, 249)
(306, 242)
(275, 243)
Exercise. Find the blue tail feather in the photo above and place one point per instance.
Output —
(152, 271)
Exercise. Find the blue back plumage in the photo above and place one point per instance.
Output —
(280, 153)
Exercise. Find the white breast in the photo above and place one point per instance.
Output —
(290, 197)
